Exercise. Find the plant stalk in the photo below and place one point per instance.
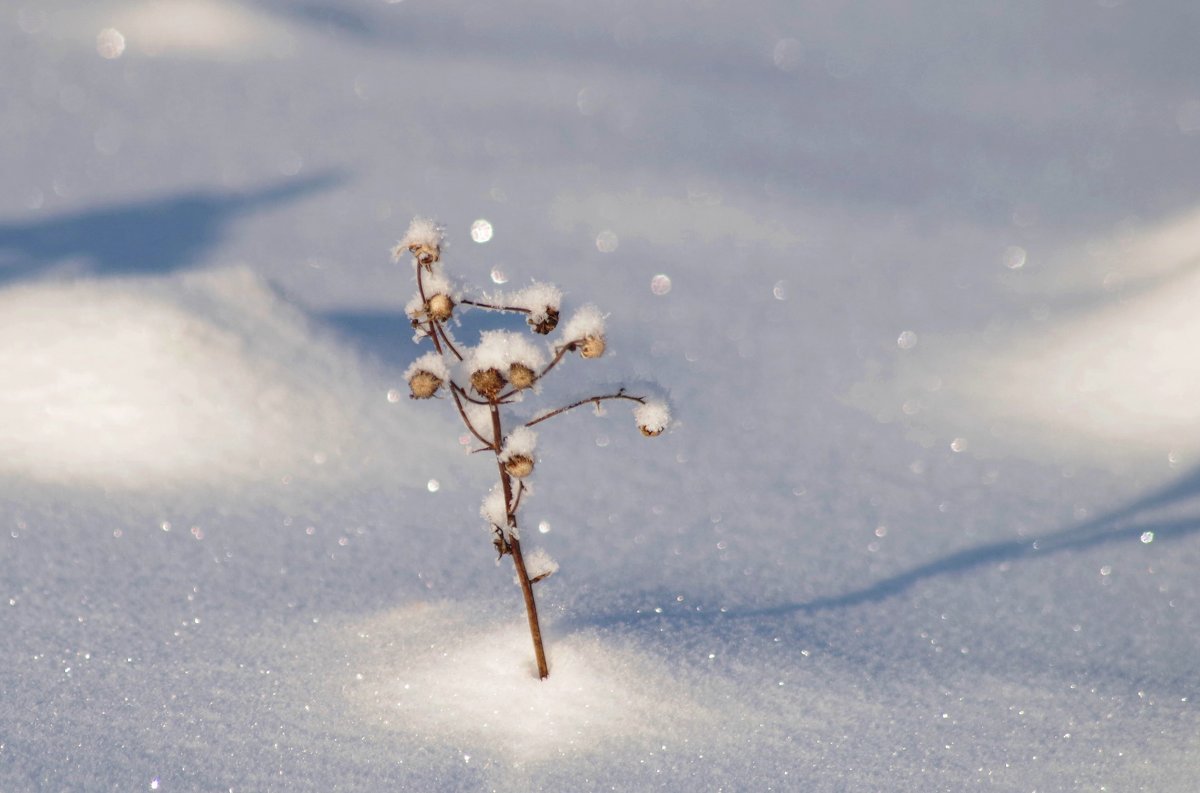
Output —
(535, 630)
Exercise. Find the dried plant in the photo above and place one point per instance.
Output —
(484, 381)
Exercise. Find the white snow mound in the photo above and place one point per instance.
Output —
(137, 383)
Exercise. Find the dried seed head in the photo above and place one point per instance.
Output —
(548, 323)
(650, 432)
(521, 376)
(487, 382)
(518, 466)
(423, 240)
(425, 253)
(592, 347)
(439, 307)
(424, 384)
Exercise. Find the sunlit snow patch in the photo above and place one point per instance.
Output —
(432, 672)
(1107, 380)
(189, 28)
(207, 377)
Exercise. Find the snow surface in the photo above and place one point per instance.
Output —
(926, 518)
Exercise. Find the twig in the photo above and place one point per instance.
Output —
(514, 545)
(594, 399)
(493, 307)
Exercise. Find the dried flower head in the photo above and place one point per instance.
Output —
(423, 240)
(439, 307)
(518, 466)
(426, 375)
(487, 382)
(517, 454)
(424, 384)
(544, 321)
(592, 347)
(541, 300)
(521, 376)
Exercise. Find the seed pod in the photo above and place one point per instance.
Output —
(424, 384)
(547, 324)
(487, 382)
(592, 347)
(518, 466)
(439, 307)
(425, 253)
(520, 376)
(648, 432)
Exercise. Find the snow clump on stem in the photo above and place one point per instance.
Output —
(423, 240)
(585, 330)
(426, 375)
(541, 300)
(517, 454)
(652, 417)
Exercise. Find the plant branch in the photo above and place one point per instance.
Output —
(514, 546)
(494, 307)
(431, 332)
(446, 338)
(593, 399)
(454, 389)
(558, 356)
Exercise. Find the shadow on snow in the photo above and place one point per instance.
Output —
(1125, 524)
(157, 235)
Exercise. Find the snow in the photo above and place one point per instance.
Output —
(587, 322)
(521, 440)
(235, 555)
(652, 416)
(422, 233)
(500, 349)
(429, 362)
(493, 509)
(539, 565)
(538, 299)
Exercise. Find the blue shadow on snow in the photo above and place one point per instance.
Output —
(158, 235)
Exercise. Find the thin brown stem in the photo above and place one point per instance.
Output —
(558, 356)
(454, 389)
(494, 307)
(593, 399)
(431, 329)
(517, 498)
(446, 338)
(514, 545)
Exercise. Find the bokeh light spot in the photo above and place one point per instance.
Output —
(481, 230)
(110, 43)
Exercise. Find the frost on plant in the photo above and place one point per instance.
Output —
(486, 380)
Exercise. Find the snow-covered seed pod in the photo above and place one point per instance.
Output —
(547, 323)
(518, 466)
(652, 417)
(592, 347)
(423, 240)
(424, 384)
(425, 253)
(439, 308)
(521, 376)
(487, 382)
